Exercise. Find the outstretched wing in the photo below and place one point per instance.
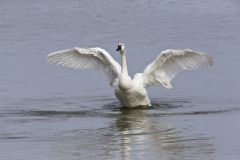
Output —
(170, 62)
(87, 58)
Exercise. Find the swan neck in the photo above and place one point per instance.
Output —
(125, 80)
(124, 68)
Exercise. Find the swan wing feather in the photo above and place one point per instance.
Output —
(170, 62)
(87, 58)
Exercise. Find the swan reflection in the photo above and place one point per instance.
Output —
(142, 135)
(114, 133)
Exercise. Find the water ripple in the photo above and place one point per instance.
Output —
(108, 107)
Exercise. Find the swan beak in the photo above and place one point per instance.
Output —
(119, 48)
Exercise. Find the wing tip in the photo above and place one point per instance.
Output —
(167, 85)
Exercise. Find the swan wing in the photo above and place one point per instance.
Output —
(87, 58)
(170, 62)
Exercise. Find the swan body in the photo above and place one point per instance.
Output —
(134, 95)
(132, 92)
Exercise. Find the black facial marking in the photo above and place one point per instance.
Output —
(119, 48)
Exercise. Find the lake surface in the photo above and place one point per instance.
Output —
(54, 113)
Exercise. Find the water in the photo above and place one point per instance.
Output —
(49, 112)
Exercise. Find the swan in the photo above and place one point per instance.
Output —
(132, 92)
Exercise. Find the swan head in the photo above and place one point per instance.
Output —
(120, 47)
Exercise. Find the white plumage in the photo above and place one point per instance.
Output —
(88, 58)
(132, 92)
(170, 62)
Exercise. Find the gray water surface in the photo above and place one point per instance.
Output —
(50, 112)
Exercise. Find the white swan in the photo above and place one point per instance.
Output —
(132, 92)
